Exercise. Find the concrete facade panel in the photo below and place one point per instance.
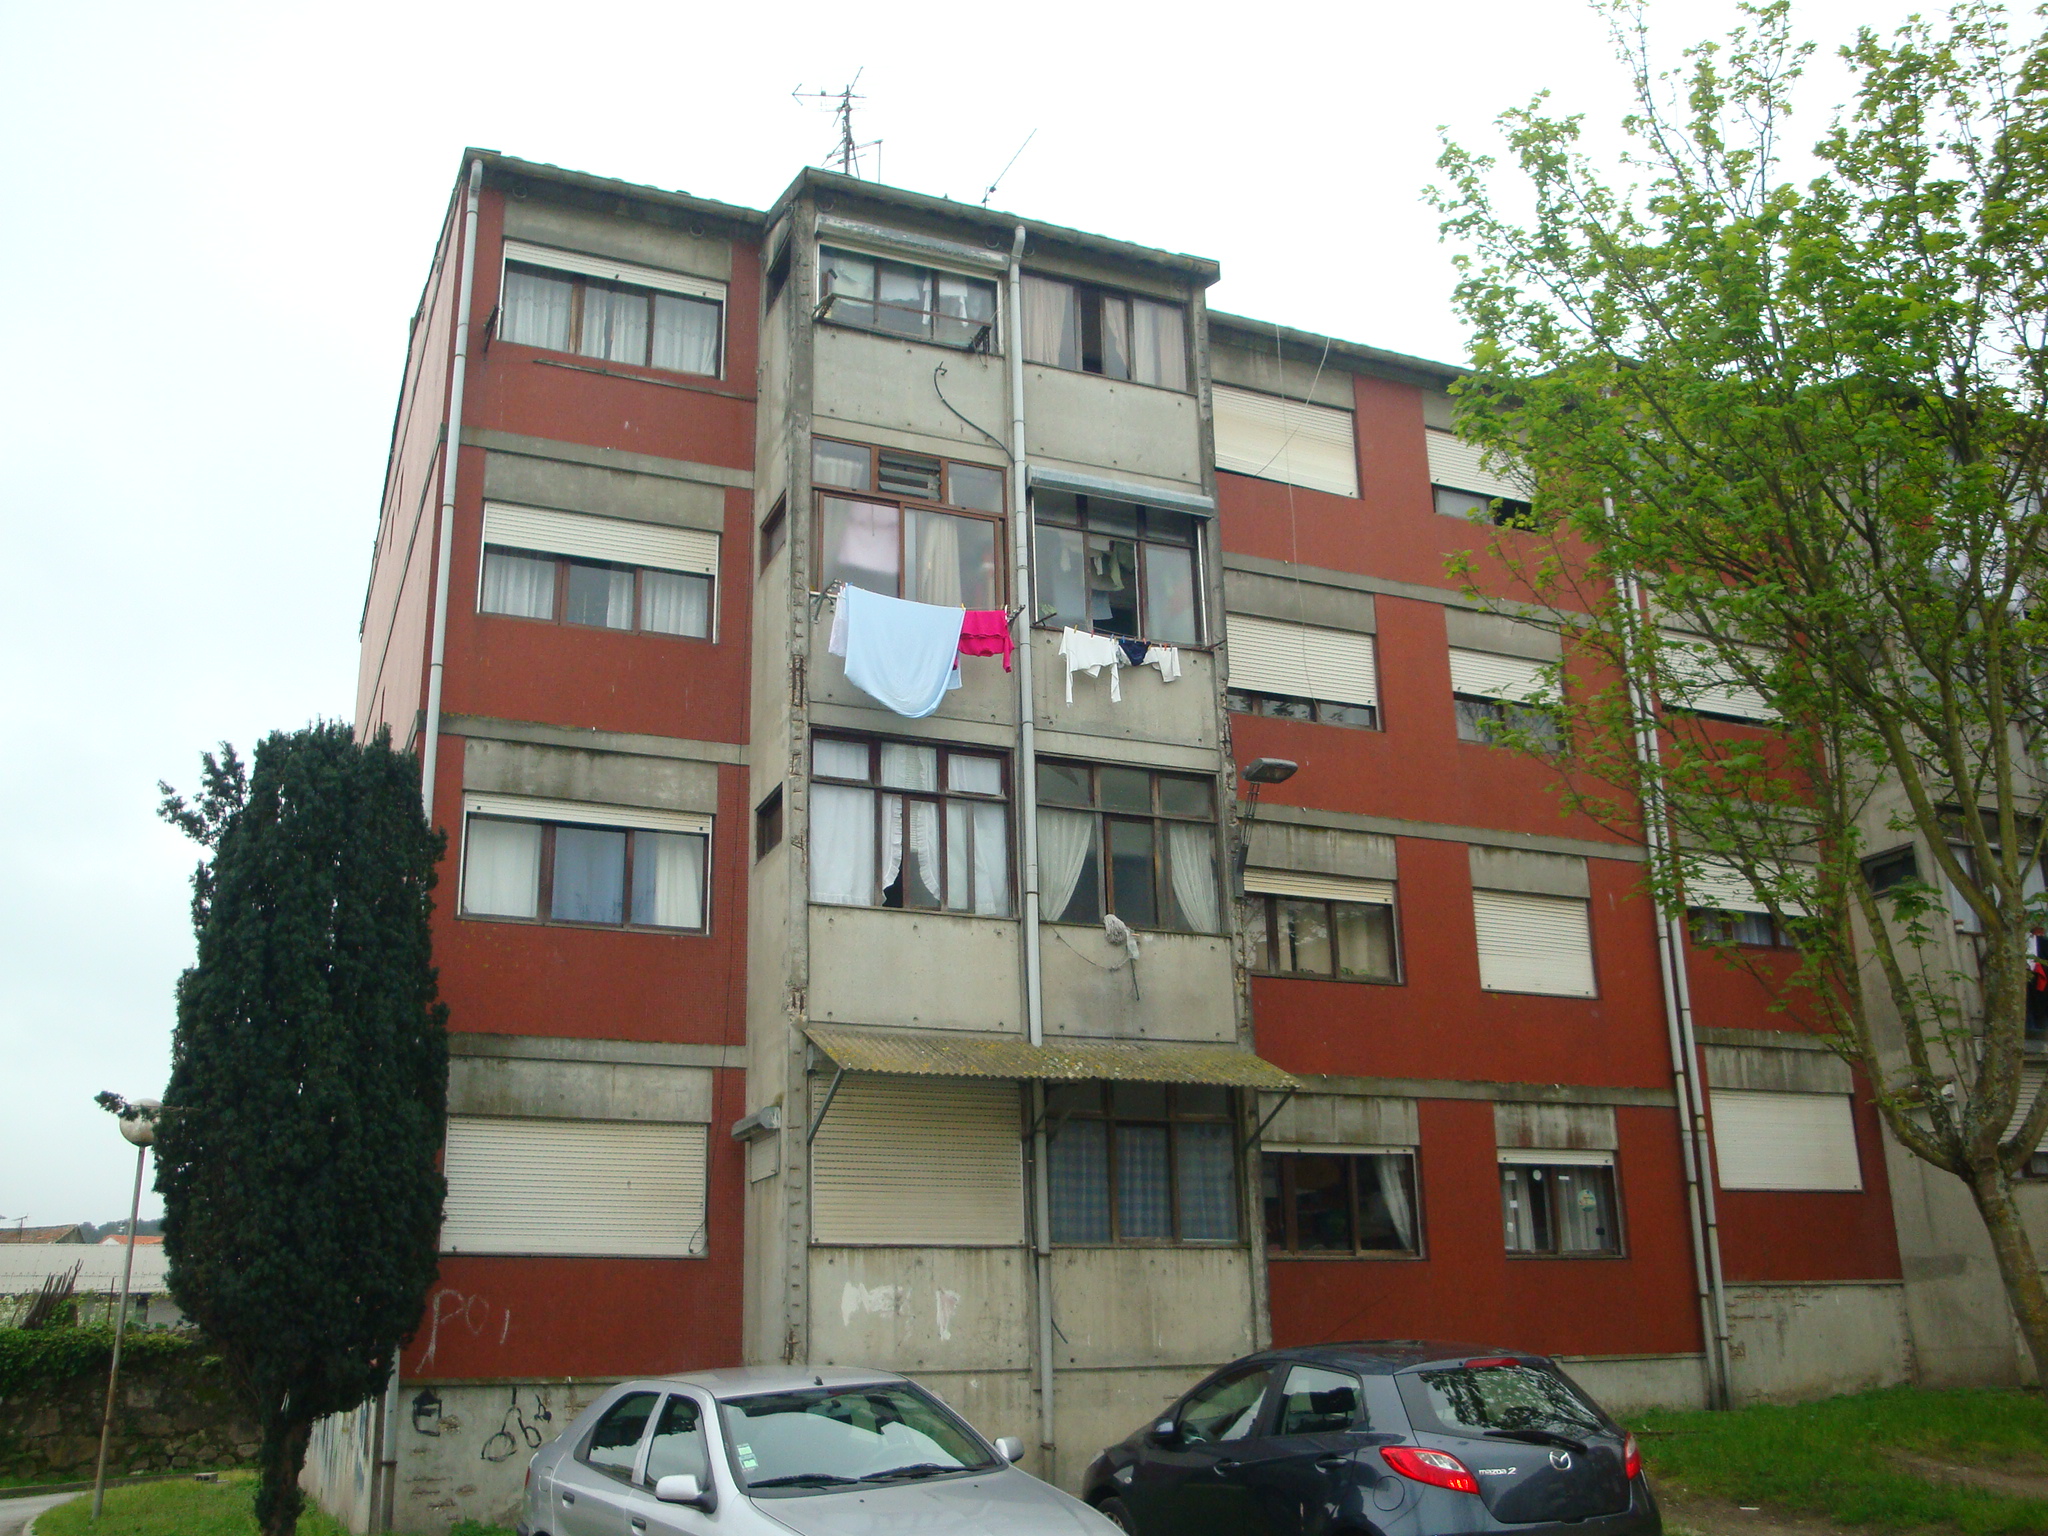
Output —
(1189, 1308)
(567, 487)
(1181, 713)
(1792, 1343)
(634, 240)
(1087, 421)
(922, 1309)
(1184, 988)
(1329, 1119)
(1578, 1127)
(987, 695)
(1303, 601)
(1321, 850)
(597, 778)
(578, 1090)
(872, 966)
(862, 379)
(1628, 1384)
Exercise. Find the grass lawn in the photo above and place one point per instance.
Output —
(186, 1508)
(1828, 1458)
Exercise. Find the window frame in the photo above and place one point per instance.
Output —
(1513, 713)
(1697, 920)
(559, 615)
(986, 341)
(1089, 302)
(822, 491)
(1501, 511)
(1268, 963)
(1049, 619)
(1606, 1164)
(1156, 819)
(544, 876)
(1274, 706)
(629, 1477)
(687, 290)
(942, 797)
(1353, 1157)
(1106, 1114)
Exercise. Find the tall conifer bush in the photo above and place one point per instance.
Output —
(308, 1083)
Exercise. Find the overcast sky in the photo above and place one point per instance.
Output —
(222, 217)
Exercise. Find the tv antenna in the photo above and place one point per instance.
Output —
(991, 192)
(847, 151)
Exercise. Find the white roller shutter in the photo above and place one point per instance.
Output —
(1720, 885)
(583, 813)
(1784, 1140)
(651, 545)
(2032, 1080)
(1309, 445)
(1312, 887)
(1692, 666)
(607, 1187)
(1301, 662)
(1482, 675)
(586, 265)
(1457, 465)
(919, 1161)
(1533, 943)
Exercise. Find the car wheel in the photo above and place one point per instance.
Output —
(1113, 1510)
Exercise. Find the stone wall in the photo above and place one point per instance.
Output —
(175, 1412)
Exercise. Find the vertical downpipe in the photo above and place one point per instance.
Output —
(1027, 814)
(451, 452)
(1692, 1134)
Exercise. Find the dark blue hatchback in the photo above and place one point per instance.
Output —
(1391, 1437)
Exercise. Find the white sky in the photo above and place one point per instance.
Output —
(222, 219)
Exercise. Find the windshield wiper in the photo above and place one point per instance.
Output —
(915, 1469)
(1538, 1437)
(805, 1480)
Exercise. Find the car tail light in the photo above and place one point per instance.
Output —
(1439, 1469)
(1631, 1458)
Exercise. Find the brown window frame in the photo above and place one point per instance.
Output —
(1144, 539)
(1470, 708)
(1157, 820)
(1283, 706)
(1268, 963)
(560, 613)
(1697, 920)
(1090, 300)
(1106, 1113)
(582, 284)
(835, 308)
(941, 797)
(544, 896)
(875, 495)
(1619, 1248)
(1501, 511)
(1286, 1165)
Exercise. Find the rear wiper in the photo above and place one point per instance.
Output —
(915, 1469)
(1538, 1437)
(805, 1480)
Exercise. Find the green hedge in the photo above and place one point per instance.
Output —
(47, 1357)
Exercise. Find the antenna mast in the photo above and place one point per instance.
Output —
(847, 151)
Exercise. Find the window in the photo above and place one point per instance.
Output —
(614, 1443)
(919, 1161)
(906, 300)
(1320, 1401)
(774, 532)
(899, 824)
(1091, 330)
(678, 1448)
(1136, 843)
(528, 860)
(1340, 1203)
(1465, 485)
(1300, 672)
(1756, 930)
(1141, 1163)
(1486, 720)
(880, 537)
(1116, 568)
(1554, 1203)
(601, 572)
(1782, 1140)
(768, 823)
(1531, 943)
(1888, 870)
(1491, 692)
(1695, 676)
(1501, 511)
(1273, 438)
(627, 1189)
(1321, 925)
(563, 302)
(1225, 1409)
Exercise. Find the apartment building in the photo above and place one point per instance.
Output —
(1065, 1038)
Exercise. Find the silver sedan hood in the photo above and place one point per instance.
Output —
(1004, 1503)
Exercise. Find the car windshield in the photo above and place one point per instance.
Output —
(837, 1437)
(1511, 1398)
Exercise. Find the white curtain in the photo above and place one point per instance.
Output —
(1394, 1190)
(977, 859)
(618, 600)
(910, 767)
(843, 840)
(1584, 1222)
(839, 759)
(668, 879)
(1158, 349)
(536, 310)
(1052, 323)
(1192, 862)
(501, 868)
(521, 585)
(931, 556)
(673, 603)
(685, 334)
(1518, 1195)
(1064, 838)
(629, 328)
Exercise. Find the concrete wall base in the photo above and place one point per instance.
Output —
(1791, 1343)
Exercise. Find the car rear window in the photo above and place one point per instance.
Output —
(1471, 1400)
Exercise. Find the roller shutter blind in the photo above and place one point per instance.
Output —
(1308, 445)
(1482, 675)
(1720, 885)
(601, 538)
(1301, 662)
(1691, 666)
(612, 271)
(2032, 1081)
(1784, 1140)
(1533, 943)
(1312, 887)
(583, 813)
(606, 1187)
(1457, 464)
(919, 1161)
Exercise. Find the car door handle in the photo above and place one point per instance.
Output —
(1228, 1466)
(637, 1523)
(1331, 1463)
(568, 1497)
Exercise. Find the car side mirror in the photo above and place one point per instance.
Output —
(1165, 1432)
(1010, 1448)
(682, 1488)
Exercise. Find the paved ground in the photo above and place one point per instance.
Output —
(15, 1514)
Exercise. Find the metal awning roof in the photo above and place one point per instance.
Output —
(931, 1054)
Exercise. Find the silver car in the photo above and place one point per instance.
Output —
(768, 1451)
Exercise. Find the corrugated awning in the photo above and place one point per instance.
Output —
(929, 1054)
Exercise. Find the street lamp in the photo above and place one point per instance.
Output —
(138, 1125)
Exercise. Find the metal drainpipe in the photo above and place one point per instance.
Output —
(1692, 1143)
(1027, 814)
(451, 452)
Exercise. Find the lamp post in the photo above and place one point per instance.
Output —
(138, 1125)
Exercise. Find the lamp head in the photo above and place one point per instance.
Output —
(1268, 770)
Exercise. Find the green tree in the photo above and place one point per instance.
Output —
(308, 1083)
(1787, 433)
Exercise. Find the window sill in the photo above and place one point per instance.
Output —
(563, 923)
(1048, 627)
(1095, 927)
(698, 383)
(1155, 1245)
(1381, 1256)
(863, 906)
(594, 629)
(1352, 981)
(956, 348)
(1570, 1258)
(1566, 997)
